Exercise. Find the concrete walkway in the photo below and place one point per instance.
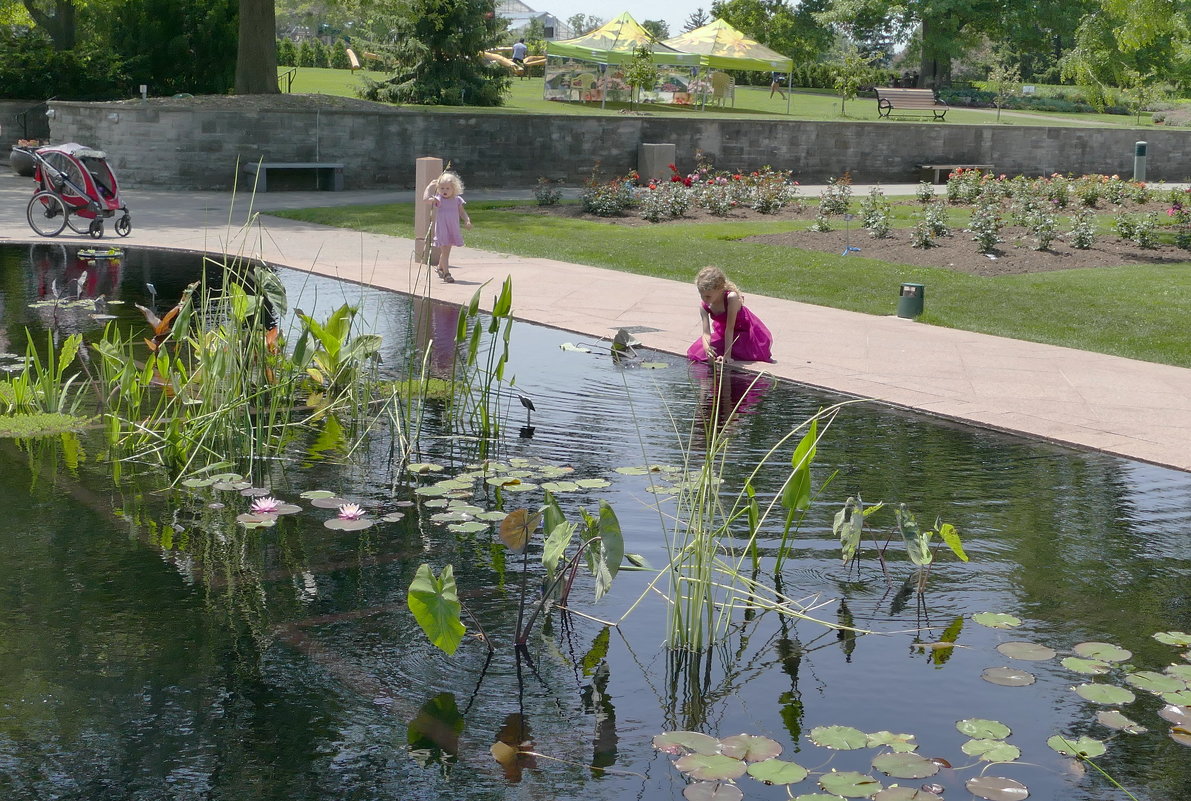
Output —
(1105, 403)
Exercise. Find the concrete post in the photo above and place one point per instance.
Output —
(1139, 161)
(426, 169)
(654, 160)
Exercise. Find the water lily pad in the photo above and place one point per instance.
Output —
(329, 502)
(679, 742)
(710, 767)
(1086, 747)
(594, 483)
(905, 766)
(1179, 698)
(749, 747)
(523, 486)
(983, 729)
(777, 771)
(573, 347)
(850, 784)
(491, 517)
(310, 495)
(1105, 694)
(468, 527)
(339, 524)
(1090, 667)
(1181, 735)
(560, 486)
(231, 486)
(653, 365)
(255, 492)
(450, 516)
(393, 517)
(996, 620)
(256, 521)
(517, 527)
(421, 468)
(712, 791)
(997, 788)
(1179, 638)
(196, 482)
(1008, 677)
(663, 489)
(1029, 651)
(1176, 714)
(1102, 651)
(838, 738)
(906, 794)
(1181, 672)
(816, 797)
(1153, 682)
(1115, 719)
(443, 503)
(432, 491)
(900, 743)
(636, 471)
(991, 750)
(456, 505)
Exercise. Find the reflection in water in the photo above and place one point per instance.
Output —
(433, 736)
(726, 394)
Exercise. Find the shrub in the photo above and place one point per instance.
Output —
(925, 193)
(1124, 225)
(920, 235)
(1041, 225)
(547, 192)
(986, 226)
(1145, 231)
(822, 223)
(936, 220)
(1083, 229)
(874, 207)
(837, 196)
(606, 198)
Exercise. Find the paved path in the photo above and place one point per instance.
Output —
(1121, 406)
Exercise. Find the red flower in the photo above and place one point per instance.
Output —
(675, 178)
(672, 168)
(686, 181)
(737, 177)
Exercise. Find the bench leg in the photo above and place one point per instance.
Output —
(262, 180)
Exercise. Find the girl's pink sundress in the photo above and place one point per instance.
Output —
(753, 342)
(446, 221)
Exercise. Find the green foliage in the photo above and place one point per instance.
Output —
(850, 71)
(791, 29)
(434, 602)
(176, 46)
(641, 73)
(337, 58)
(33, 69)
(42, 424)
(1004, 79)
(287, 53)
(438, 56)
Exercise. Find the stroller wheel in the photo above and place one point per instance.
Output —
(124, 225)
(96, 229)
(80, 225)
(46, 214)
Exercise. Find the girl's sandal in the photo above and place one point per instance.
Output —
(444, 275)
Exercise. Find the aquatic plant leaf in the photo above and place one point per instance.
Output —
(679, 742)
(796, 496)
(1028, 651)
(951, 538)
(310, 495)
(847, 526)
(749, 747)
(468, 527)
(1155, 682)
(255, 492)
(816, 797)
(434, 731)
(1180, 734)
(560, 486)
(983, 729)
(574, 347)
(517, 527)
(392, 517)
(593, 483)
(1179, 638)
(996, 620)
(422, 468)
(636, 471)
(434, 602)
(1105, 694)
(838, 738)
(464, 508)
(1178, 714)
(521, 486)
(997, 788)
(450, 516)
(1008, 677)
(1179, 698)
(1086, 747)
(331, 502)
(653, 365)
(597, 653)
(1091, 667)
(710, 767)
(491, 517)
(339, 524)
(611, 539)
(196, 482)
(635, 561)
(905, 766)
(712, 791)
(1115, 719)
(256, 521)
(850, 784)
(557, 541)
(917, 541)
(1102, 651)
(906, 794)
(900, 743)
(777, 771)
(1181, 672)
(991, 750)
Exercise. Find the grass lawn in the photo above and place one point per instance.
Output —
(1134, 311)
(752, 102)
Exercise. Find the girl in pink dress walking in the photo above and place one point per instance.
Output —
(445, 193)
(730, 331)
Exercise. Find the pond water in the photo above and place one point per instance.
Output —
(153, 649)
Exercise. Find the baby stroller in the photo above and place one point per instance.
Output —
(76, 188)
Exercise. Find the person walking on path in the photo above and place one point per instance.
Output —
(730, 330)
(775, 84)
(445, 193)
(519, 53)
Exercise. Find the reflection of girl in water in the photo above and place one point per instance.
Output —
(727, 394)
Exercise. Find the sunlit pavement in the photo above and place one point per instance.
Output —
(1105, 403)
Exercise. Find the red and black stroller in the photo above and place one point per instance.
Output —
(76, 188)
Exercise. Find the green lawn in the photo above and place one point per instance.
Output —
(1132, 311)
(752, 102)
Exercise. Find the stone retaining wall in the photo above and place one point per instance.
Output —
(195, 143)
(22, 119)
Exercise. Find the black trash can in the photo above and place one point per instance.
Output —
(909, 302)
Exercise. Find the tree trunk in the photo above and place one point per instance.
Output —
(936, 62)
(60, 25)
(256, 56)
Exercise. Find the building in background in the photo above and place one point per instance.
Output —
(520, 16)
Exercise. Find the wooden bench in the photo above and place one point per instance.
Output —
(890, 100)
(941, 171)
(327, 176)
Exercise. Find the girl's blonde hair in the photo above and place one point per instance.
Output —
(450, 179)
(712, 278)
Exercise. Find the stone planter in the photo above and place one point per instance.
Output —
(22, 163)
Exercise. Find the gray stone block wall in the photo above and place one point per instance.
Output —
(195, 144)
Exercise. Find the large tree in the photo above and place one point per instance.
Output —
(256, 56)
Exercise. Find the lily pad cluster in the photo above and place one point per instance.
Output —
(265, 509)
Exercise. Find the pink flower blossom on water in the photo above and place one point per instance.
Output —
(265, 506)
(350, 511)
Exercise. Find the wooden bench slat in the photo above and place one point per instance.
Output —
(890, 100)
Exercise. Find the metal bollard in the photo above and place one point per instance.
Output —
(1139, 161)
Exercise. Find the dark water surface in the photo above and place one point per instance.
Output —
(156, 650)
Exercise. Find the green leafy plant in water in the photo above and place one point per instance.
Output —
(918, 545)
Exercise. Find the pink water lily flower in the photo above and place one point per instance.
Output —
(350, 511)
(265, 506)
